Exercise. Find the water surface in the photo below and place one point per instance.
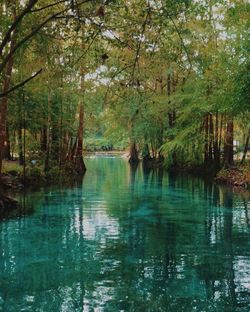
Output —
(127, 240)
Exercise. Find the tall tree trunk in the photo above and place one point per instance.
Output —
(206, 145)
(174, 84)
(7, 149)
(133, 154)
(66, 146)
(228, 144)
(20, 145)
(43, 138)
(172, 112)
(216, 143)
(146, 152)
(55, 142)
(246, 147)
(19, 132)
(221, 131)
(48, 133)
(13, 146)
(170, 121)
(160, 141)
(210, 139)
(153, 149)
(61, 131)
(4, 102)
(78, 161)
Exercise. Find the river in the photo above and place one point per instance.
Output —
(127, 240)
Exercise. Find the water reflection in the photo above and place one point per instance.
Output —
(128, 239)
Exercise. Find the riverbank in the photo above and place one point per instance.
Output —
(7, 204)
(12, 179)
(238, 176)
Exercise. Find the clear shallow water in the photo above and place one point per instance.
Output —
(125, 240)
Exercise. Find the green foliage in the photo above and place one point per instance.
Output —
(147, 72)
(34, 173)
(12, 166)
(53, 173)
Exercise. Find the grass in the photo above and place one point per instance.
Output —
(11, 166)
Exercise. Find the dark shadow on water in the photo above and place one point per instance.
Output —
(133, 168)
(26, 205)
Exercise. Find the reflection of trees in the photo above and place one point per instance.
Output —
(128, 240)
(216, 268)
(228, 238)
(132, 175)
(245, 204)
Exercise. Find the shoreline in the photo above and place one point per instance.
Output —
(236, 177)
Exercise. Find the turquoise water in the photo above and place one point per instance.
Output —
(127, 240)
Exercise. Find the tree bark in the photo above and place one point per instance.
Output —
(206, 138)
(7, 148)
(216, 149)
(210, 139)
(146, 152)
(228, 144)
(4, 101)
(133, 154)
(20, 145)
(172, 113)
(48, 134)
(246, 147)
(43, 138)
(7, 37)
(78, 159)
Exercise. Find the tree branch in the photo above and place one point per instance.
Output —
(139, 44)
(18, 19)
(32, 33)
(21, 84)
(180, 36)
(47, 6)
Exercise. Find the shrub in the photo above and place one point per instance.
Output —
(53, 173)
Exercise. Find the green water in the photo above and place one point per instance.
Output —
(126, 240)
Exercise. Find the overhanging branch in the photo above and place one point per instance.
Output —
(47, 6)
(18, 19)
(33, 32)
(21, 84)
(180, 36)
